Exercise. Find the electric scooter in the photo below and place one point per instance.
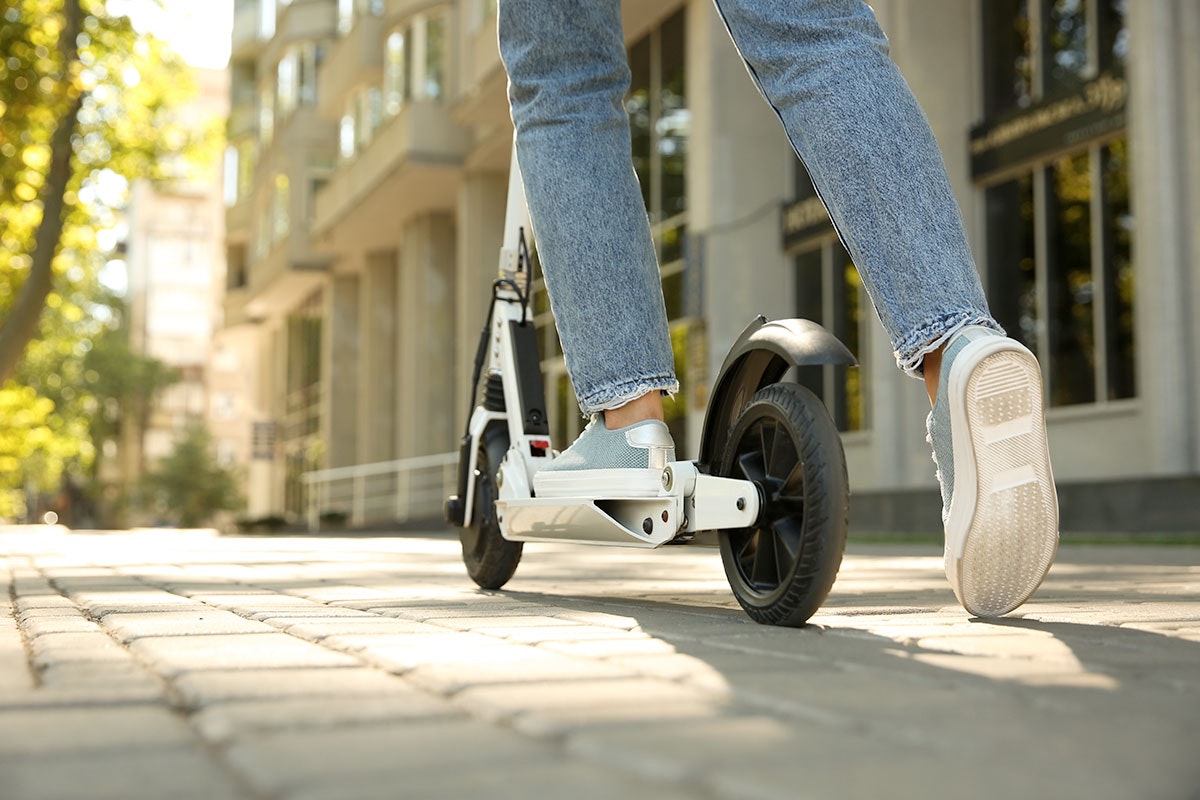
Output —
(769, 485)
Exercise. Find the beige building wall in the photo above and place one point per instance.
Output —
(400, 236)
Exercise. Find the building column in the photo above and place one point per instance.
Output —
(427, 349)
(481, 206)
(339, 406)
(1165, 292)
(377, 385)
(275, 395)
(1188, 33)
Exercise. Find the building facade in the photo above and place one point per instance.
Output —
(175, 263)
(369, 147)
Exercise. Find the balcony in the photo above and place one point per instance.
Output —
(302, 131)
(282, 279)
(354, 60)
(314, 20)
(483, 100)
(247, 30)
(410, 167)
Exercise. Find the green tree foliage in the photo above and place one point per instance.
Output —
(188, 487)
(121, 382)
(118, 94)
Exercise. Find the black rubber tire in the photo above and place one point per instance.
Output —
(490, 558)
(781, 570)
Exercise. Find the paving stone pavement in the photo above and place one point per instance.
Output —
(162, 664)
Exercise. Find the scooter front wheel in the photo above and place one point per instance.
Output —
(782, 568)
(490, 558)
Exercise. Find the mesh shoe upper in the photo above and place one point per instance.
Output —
(644, 445)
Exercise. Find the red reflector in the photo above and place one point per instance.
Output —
(542, 443)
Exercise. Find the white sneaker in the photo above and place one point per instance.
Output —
(626, 462)
(1000, 508)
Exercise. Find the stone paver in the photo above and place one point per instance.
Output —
(181, 664)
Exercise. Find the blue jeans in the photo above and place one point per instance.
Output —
(824, 67)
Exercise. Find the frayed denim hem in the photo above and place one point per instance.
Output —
(625, 393)
(910, 356)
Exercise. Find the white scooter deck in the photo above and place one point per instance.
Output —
(688, 502)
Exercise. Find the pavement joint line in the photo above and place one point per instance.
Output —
(168, 699)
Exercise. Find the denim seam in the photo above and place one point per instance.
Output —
(930, 335)
(627, 391)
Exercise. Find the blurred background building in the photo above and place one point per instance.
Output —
(175, 262)
(365, 181)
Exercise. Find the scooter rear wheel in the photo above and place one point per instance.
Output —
(490, 558)
(782, 568)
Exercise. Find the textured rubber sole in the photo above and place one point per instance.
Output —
(598, 483)
(1002, 530)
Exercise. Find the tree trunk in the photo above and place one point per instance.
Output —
(21, 326)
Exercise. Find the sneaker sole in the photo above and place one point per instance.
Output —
(598, 483)
(1002, 530)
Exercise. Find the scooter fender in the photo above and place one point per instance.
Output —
(763, 352)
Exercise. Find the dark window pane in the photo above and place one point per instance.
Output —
(850, 410)
(674, 119)
(1114, 35)
(675, 407)
(672, 286)
(1012, 286)
(1118, 269)
(802, 188)
(1066, 59)
(637, 104)
(564, 405)
(1007, 56)
(670, 246)
(1069, 279)
(808, 306)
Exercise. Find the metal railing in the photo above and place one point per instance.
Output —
(383, 491)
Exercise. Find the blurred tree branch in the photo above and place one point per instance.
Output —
(21, 324)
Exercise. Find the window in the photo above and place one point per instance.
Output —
(433, 81)
(346, 138)
(1059, 242)
(296, 78)
(247, 155)
(301, 426)
(280, 202)
(309, 59)
(345, 16)
(1033, 49)
(266, 114)
(394, 86)
(829, 292)
(415, 61)
(370, 115)
(229, 182)
(287, 87)
(360, 122)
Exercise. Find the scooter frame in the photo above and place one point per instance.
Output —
(691, 498)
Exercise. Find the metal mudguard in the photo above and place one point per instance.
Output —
(763, 352)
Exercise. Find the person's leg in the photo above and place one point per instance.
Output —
(866, 143)
(824, 68)
(568, 76)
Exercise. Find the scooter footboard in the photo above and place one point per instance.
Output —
(640, 522)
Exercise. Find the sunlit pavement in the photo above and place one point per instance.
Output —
(184, 665)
